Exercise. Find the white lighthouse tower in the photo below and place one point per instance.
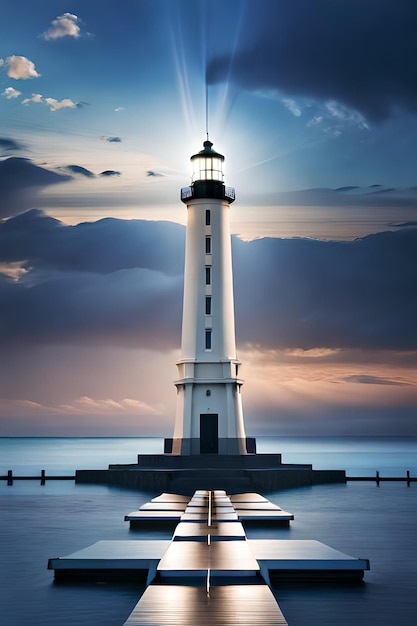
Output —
(209, 418)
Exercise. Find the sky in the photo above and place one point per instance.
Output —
(314, 105)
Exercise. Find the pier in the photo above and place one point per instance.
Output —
(165, 477)
(209, 570)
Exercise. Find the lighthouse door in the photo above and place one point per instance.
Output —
(209, 433)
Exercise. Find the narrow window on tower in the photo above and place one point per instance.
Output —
(208, 217)
(208, 339)
(208, 305)
(208, 275)
(208, 245)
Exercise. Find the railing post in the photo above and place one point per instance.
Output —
(10, 477)
(43, 477)
(408, 478)
(377, 478)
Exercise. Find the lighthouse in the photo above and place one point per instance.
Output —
(209, 416)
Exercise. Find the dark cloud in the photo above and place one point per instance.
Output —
(18, 177)
(110, 173)
(99, 247)
(306, 293)
(360, 53)
(404, 224)
(121, 282)
(78, 169)
(349, 196)
(10, 146)
(114, 139)
(365, 379)
(152, 173)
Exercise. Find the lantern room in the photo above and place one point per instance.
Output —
(207, 178)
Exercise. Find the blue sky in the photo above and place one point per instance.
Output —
(313, 103)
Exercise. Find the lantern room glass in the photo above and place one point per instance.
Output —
(207, 168)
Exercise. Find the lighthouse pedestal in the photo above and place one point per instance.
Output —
(225, 446)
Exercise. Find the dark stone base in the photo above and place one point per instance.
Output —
(184, 474)
(226, 446)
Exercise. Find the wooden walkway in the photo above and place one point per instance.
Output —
(243, 508)
(209, 573)
(231, 605)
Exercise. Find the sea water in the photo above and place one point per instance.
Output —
(360, 519)
(359, 456)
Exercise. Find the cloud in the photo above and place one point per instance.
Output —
(66, 25)
(151, 173)
(14, 270)
(78, 169)
(289, 294)
(10, 92)
(366, 379)
(292, 106)
(109, 173)
(35, 97)
(118, 109)
(113, 139)
(357, 54)
(377, 196)
(10, 145)
(56, 105)
(20, 68)
(311, 293)
(82, 171)
(19, 180)
(85, 404)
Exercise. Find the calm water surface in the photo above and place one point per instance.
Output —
(360, 519)
(358, 455)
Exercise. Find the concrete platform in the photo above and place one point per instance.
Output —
(106, 560)
(286, 558)
(231, 605)
(183, 474)
(289, 559)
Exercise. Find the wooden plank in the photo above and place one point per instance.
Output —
(220, 557)
(147, 516)
(256, 506)
(248, 497)
(163, 506)
(265, 516)
(216, 517)
(199, 531)
(219, 510)
(232, 605)
(171, 497)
